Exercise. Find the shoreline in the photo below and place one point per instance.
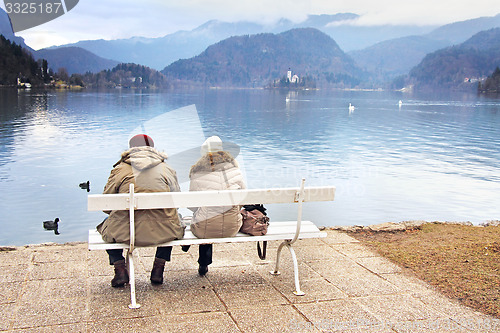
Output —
(8, 248)
(380, 227)
(409, 225)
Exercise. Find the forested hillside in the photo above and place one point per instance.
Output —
(492, 84)
(459, 67)
(257, 60)
(125, 76)
(16, 62)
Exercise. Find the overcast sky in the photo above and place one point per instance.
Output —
(112, 19)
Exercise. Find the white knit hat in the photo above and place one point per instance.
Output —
(211, 145)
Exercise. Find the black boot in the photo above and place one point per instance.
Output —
(157, 271)
(121, 274)
(202, 270)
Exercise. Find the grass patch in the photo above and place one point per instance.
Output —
(463, 262)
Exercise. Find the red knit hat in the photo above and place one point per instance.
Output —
(140, 140)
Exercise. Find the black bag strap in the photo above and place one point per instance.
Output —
(262, 253)
(259, 207)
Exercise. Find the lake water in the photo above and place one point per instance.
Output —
(435, 158)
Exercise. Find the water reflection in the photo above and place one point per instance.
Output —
(436, 158)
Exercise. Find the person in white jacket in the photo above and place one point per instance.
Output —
(215, 170)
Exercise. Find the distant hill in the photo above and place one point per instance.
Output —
(460, 66)
(160, 52)
(75, 60)
(153, 52)
(386, 60)
(391, 58)
(458, 32)
(484, 40)
(257, 60)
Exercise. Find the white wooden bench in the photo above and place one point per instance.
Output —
(288, 231)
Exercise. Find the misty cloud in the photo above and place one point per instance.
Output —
(113, 19)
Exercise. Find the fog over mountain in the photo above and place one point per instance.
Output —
(160, 52)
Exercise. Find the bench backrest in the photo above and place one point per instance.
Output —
(208, 198)
(132, 201)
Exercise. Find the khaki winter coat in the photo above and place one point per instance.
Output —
(216, 171)
(146, 169)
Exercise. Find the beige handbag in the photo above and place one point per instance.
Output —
(255, 221)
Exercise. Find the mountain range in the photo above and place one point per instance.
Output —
(378, 54)
(160, 52)
(386, 51)
(388, 59)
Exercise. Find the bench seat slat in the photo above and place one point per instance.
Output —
(276, 231)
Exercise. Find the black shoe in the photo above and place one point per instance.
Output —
(121, 274)
(157, 271)
(202, 270)
(185, 248)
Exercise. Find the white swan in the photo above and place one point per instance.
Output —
(351, 107)
(400, 103)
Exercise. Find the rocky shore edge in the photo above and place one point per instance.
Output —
(406, 225)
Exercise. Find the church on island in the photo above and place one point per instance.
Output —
(290, 78)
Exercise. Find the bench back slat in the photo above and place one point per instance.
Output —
(207, 198)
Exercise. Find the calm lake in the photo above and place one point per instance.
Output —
(433, 158)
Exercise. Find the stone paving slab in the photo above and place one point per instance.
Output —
(66, 288)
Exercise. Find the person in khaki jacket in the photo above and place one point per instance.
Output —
(145, 167)
(215, 170)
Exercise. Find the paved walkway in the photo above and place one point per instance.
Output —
(66, 288)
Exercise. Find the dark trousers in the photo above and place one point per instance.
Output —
(205, 254)
(161, 252)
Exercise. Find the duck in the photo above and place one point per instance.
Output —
(85, 186)
(51, 225)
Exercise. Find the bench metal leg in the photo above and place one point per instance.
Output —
(133, 304)
(278, 254)
(297, 291)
